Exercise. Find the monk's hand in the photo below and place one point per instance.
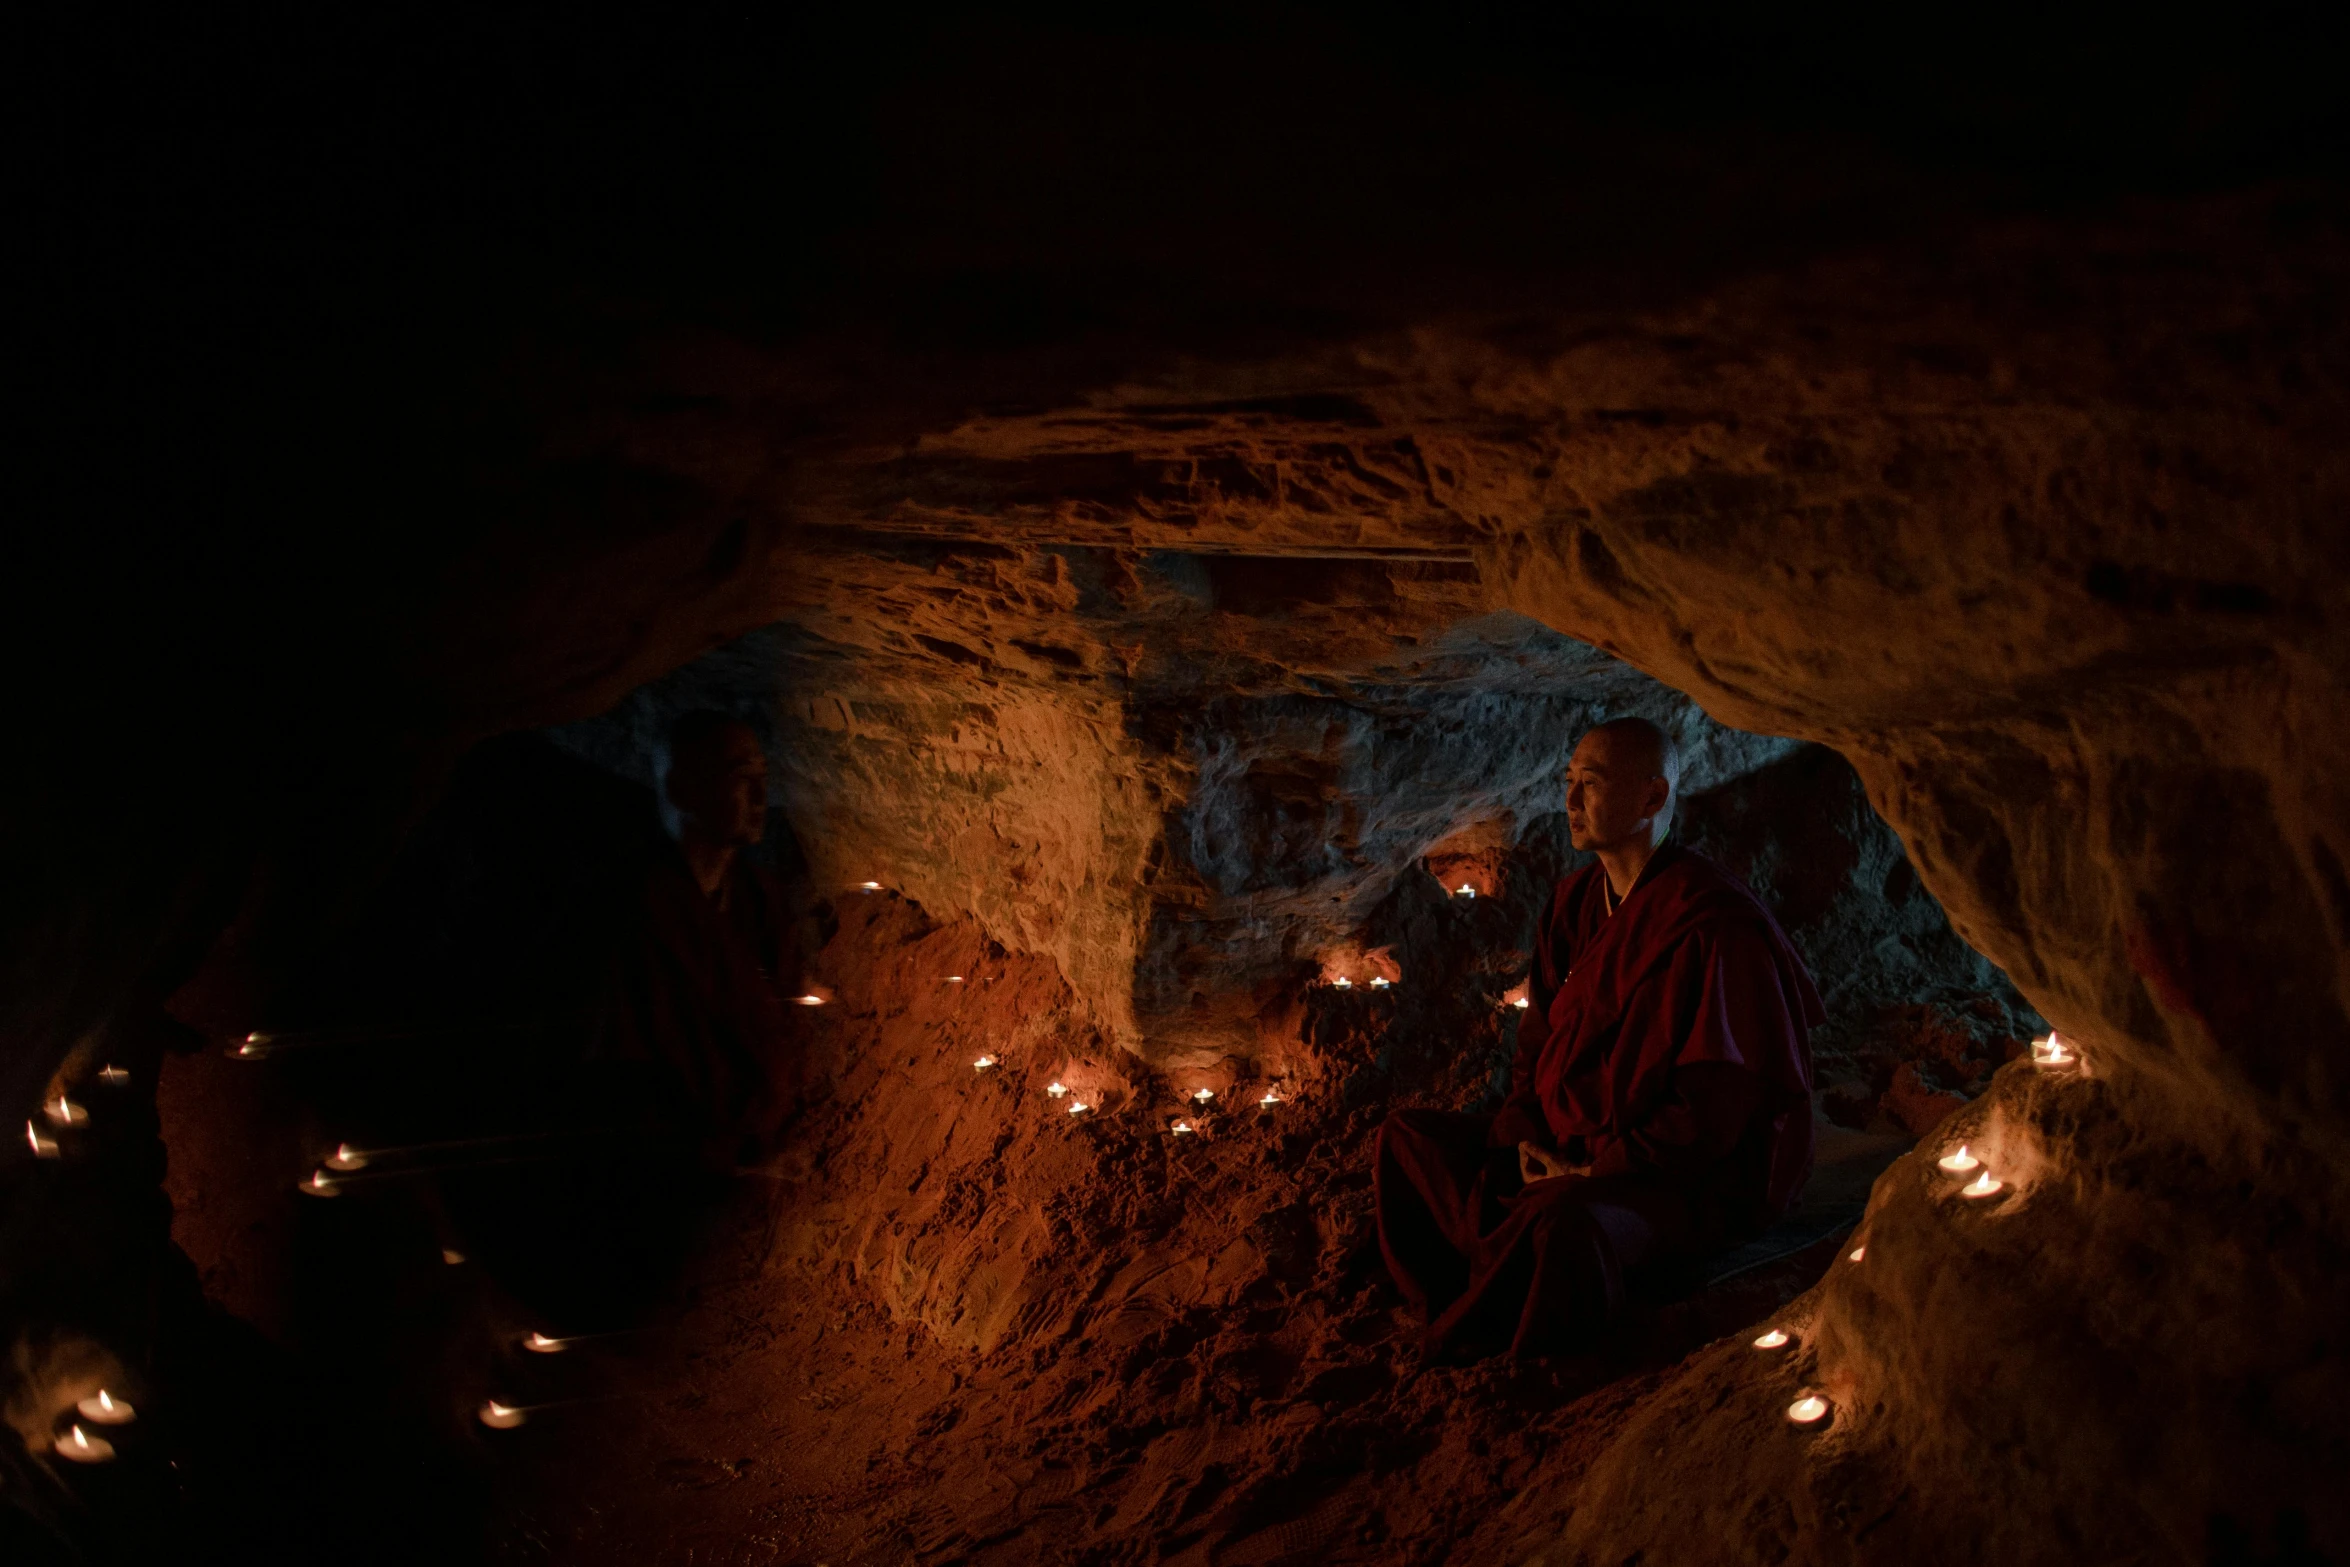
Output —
(1537, 1164)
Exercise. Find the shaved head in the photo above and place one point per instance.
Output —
(1621, 787)
(1637, 745)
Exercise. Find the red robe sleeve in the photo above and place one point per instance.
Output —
(1701, 1052)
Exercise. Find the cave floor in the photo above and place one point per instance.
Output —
(1060, 1343)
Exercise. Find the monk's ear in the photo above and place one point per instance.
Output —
(1660, 797)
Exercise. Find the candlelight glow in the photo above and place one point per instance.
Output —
(1522, 1003)
(1271, 1098)
(1379, 984)
(954, 979)
(983, 1063)
(540, 1344)
(114, 1076)
(1203, 1095)
(107, 1410)
(1772, 1339)
(319, 1186)
(1078, 1107)
(868, 886)
(84, 1448)
(1959, 1163)
(1056, 1089)
(1342, 983)
(2053, 1051)
(1856, 1253)
(346, 1157)
(64, 1112)
(809, 1000)
(1181, 1128)
(1983, 1185)
(1464, 890)
(43, 1147)
(1808, 1410)
(499, 1417)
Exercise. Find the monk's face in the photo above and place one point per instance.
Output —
(1615, 790)
(719, 786)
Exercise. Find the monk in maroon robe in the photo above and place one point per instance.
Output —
(1660, 1102)
(704, 999)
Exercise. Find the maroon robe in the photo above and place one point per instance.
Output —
(1667, 1049)
(703, 997)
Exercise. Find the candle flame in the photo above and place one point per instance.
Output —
(1203, 1095)
(540, 1344)
(43, 1147)
(105, 1400)
(868, 886)
(64, 1112)
(319, 1186)
(1181, 1128)
(1522, 1003)
(1772, 1339)
(983, 1063)
(1960, 1162)
(1808, 1410)
(499, 1417)
(1271, 1098)
(81, 1439)
(1079, 1107)
(2052, 1051)
(114, 1074)
(1982, 1185)
(954, 979)
(346, 1157)
(1379, 984)
(1056, 1088)
(1343, 983)
(1464, 890)
(809, 1000)
(1857, 1253)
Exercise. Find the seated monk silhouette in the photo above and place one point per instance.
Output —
(703, 996)
(1660, 1101)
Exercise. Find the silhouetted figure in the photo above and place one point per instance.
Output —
(720, 956)
(1660, 1102)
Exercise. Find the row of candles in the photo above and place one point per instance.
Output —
(101, 1408)
(1812, 1406)
(64, 1113)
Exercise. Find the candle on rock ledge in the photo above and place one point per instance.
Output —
(1959, 1163)
(346, 1157)
(1056, 1088)
(319, 1185)
(1271, 1099)
(540, 1344)
(1983, 1185)
(43, 1147)
(811, 999)
(1181, 1129)
(252, 1048)
(2053, 1051)
(1381, 983)
(1522, 1003)
(1203, 1095)
(1342, 983)
(497, 1416)
(1464, 890)
(954, 979)
(84, 1448)
(1809, 1410)
(1772, 1340)
(868, 886)
(983, 1063)
(64, 1112)
(114, 1076)
(1079, 1107)
(1856, 1254)
(107, 1410)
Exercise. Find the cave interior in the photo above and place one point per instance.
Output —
(1166, 496)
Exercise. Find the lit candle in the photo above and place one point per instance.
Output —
(1203, 1095)
(868, 886)
(983, 1063)
(84, 1448)
(1772, 1339)
(954, 979)
(452, 1258)
(1343, 983)
(254, 1048)
(64, 1112)
(1271, 1098)
(1522, 1003)
(1808, 1410)
(540, 1344)
(2052, 1051)
(809, 1000)
(107, 1410)
(346, 1157)
(1464, 890)
(1856, 1253)
(1181, 1128)
(1379, 984)
(43, 1147)
(319, 1186)
(1983, 1185)
(114, 1076)
(1078, 1107)
(499, 1417)
(1959, 1163)
(1056, 1089)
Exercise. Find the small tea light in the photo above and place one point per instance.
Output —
(809, 1000)
(1181, 1129)
(107, 1410)
(540, 1344)
(1772, 1340)
(452, 1258)
(346, 1157)
(1203, 1095)
(1056, 1089)
(1959, 1163)
(2053, 1051)
(1271, 1098)
(84, 1448)
(1983, 1185)
(114, 1076)
(868, 886)
(64, 1112)
(253, 1048)
(954, 979)
(1342, 983)
(1078, 1107)
(1808, 1410)
(497, 1416)
(983, 1063)
(1464, 890)
(43, 1147)
(1522, 1003)
(1380, 984)
(319, 1185)
(1856, 1254)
